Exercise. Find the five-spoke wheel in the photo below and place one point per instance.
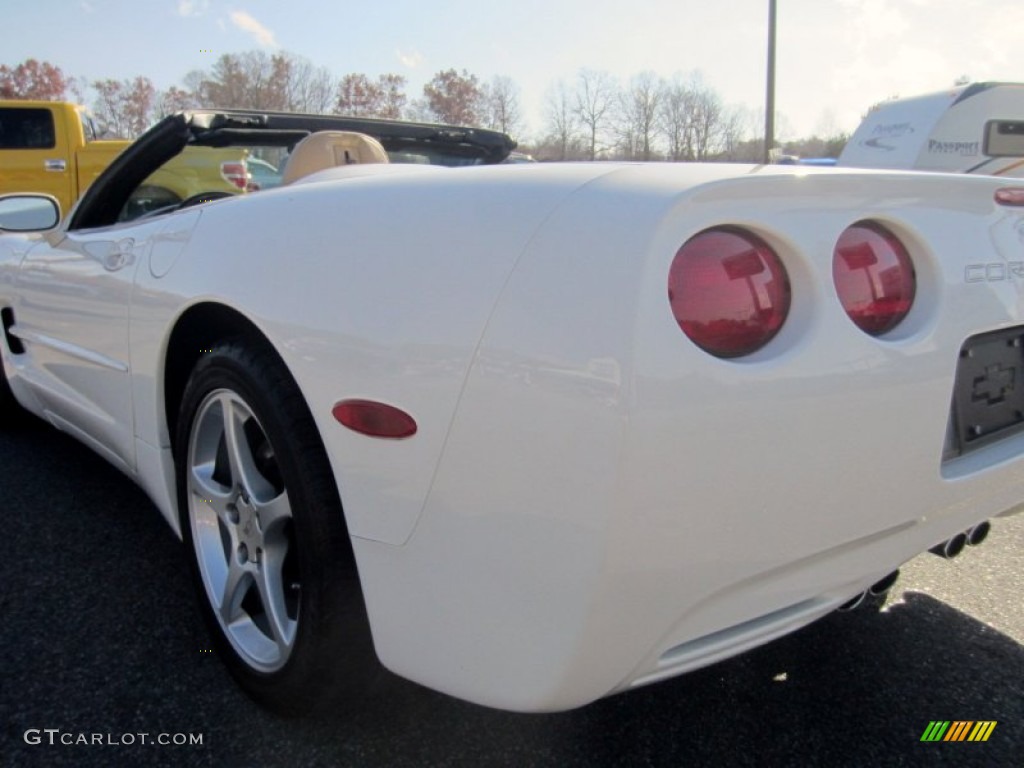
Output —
(241, 528)
(263, 525)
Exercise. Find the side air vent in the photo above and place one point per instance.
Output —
(13, 342)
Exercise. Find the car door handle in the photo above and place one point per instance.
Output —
(114, 261)
(55, 165)
(112, 256)
(121, 255)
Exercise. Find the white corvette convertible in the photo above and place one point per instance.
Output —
(531, 434)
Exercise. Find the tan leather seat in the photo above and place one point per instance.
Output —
(329, 149)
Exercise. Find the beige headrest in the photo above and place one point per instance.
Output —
(329, 149)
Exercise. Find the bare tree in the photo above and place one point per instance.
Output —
(174, 99)
(638, 110)
(261, 80)
(677, 107)
(308, 88)
(394, 99)
(733, 131)
(454, 98)
(123, 107)
(562, 124)
(193, 82)
(501, 97)
(707, 123)
(78, 86)
(694, 121)
(360, 96)
(357, 95)
(241, 80)
(138, 104)
(419, 110)
(594, 98)
(107, 107)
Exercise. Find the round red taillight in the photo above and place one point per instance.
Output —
(874, 277)
(729, 291)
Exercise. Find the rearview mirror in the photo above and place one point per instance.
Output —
(28, 213)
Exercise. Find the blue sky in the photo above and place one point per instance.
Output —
(835, 57)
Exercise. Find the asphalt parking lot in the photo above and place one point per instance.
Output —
(100, 636)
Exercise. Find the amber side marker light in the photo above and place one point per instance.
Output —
(1013, 196)
(369, 417)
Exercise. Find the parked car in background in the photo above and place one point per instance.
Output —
(262, 175)
(519, 157)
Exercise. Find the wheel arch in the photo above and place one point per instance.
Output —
(332, 644)
(199, 328)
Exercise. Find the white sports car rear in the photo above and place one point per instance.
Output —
(563, 430)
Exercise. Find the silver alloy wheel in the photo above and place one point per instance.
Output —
(241, 528)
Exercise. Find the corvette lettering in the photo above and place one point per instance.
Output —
(993, 273)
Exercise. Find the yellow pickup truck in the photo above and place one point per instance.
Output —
(52, 147)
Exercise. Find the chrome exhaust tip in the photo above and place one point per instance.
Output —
(882, 586)
(978, 533)
(951, 548)
(853, 602)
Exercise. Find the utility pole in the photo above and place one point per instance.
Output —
(769, 106)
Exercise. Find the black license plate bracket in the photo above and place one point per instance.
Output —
(988, 398)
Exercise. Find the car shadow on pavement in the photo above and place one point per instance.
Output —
(853, 689)
(100, 635)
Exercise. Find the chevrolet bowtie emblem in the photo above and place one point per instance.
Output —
(993, 387)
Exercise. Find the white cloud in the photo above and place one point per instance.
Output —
(877, 19)
(411, 59)
(257, 31)
(993, 54)
(193, 7)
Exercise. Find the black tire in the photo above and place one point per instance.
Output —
(8, 405)
(11, 413)
(330, 655)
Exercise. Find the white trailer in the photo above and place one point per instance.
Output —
(976, 128)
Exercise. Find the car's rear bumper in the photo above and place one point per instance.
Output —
(614, 506)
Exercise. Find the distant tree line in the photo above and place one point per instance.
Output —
(647, 118)
(593, 116)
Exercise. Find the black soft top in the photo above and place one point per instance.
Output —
(445, 144)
